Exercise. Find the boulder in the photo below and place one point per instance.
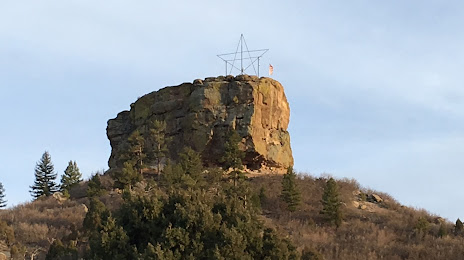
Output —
(375, 198)
(59, 197)
(439, 220)
(199, 115)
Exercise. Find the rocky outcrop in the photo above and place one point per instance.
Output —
(199, 115)
(375, 198)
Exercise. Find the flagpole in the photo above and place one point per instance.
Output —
(258, 67)
(241, 53)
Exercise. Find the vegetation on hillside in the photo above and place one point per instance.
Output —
(192, 212)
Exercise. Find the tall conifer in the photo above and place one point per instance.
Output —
(290, 193)
(331, 203)
(44, 183)
(71, 176)
(95, 188)
(137, 151)
(2, 196)
(458, 228)
(127, 176)
(232, 157)
(159, 142)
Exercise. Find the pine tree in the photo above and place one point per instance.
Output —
(442, 231)
(192, 224)
(137, 147)
(95, 187)
(111, 243)
(290, 193)
(127, 176)
(2, 196)
(60, 251)
(232, 157)
(331, 203)
(191, 163)
(71, 177)
(44, 184)
(187, 173)
(159, 142)
(458, 228)
(96, 216)
(173, 175)
(422, 226)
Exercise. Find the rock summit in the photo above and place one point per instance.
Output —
(199, 115)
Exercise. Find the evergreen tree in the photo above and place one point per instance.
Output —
(95, 187)
(458, 228)
(111, 243)
(2, 196)
(71, 177)
(137, 153)
(187, 173)
(191, 163)
(290, 193)
(175, 177)
(194, 224)
(127, 177)
(96, 216)
(442, 231)
(159, 142)
(331, 203)
(107, 240)
(44, 184)
(232, 157)
(422, 226)
(60, 251)
(133, 165)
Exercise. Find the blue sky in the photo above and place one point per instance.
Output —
(375, 87)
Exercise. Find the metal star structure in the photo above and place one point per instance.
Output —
(248, 58)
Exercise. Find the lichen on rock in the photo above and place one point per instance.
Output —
(199, 114)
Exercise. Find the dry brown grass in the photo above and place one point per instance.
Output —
(382, 231)
(37, 224)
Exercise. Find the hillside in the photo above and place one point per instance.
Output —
(203, 170)
(385, 230)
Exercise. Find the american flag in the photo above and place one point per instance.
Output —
(271, 69)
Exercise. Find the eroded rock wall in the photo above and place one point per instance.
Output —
(199, 114)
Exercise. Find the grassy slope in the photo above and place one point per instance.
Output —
(381, 231)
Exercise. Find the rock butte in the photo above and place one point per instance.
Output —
(199, 114)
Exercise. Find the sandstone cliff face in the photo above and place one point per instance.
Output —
(199, 114)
